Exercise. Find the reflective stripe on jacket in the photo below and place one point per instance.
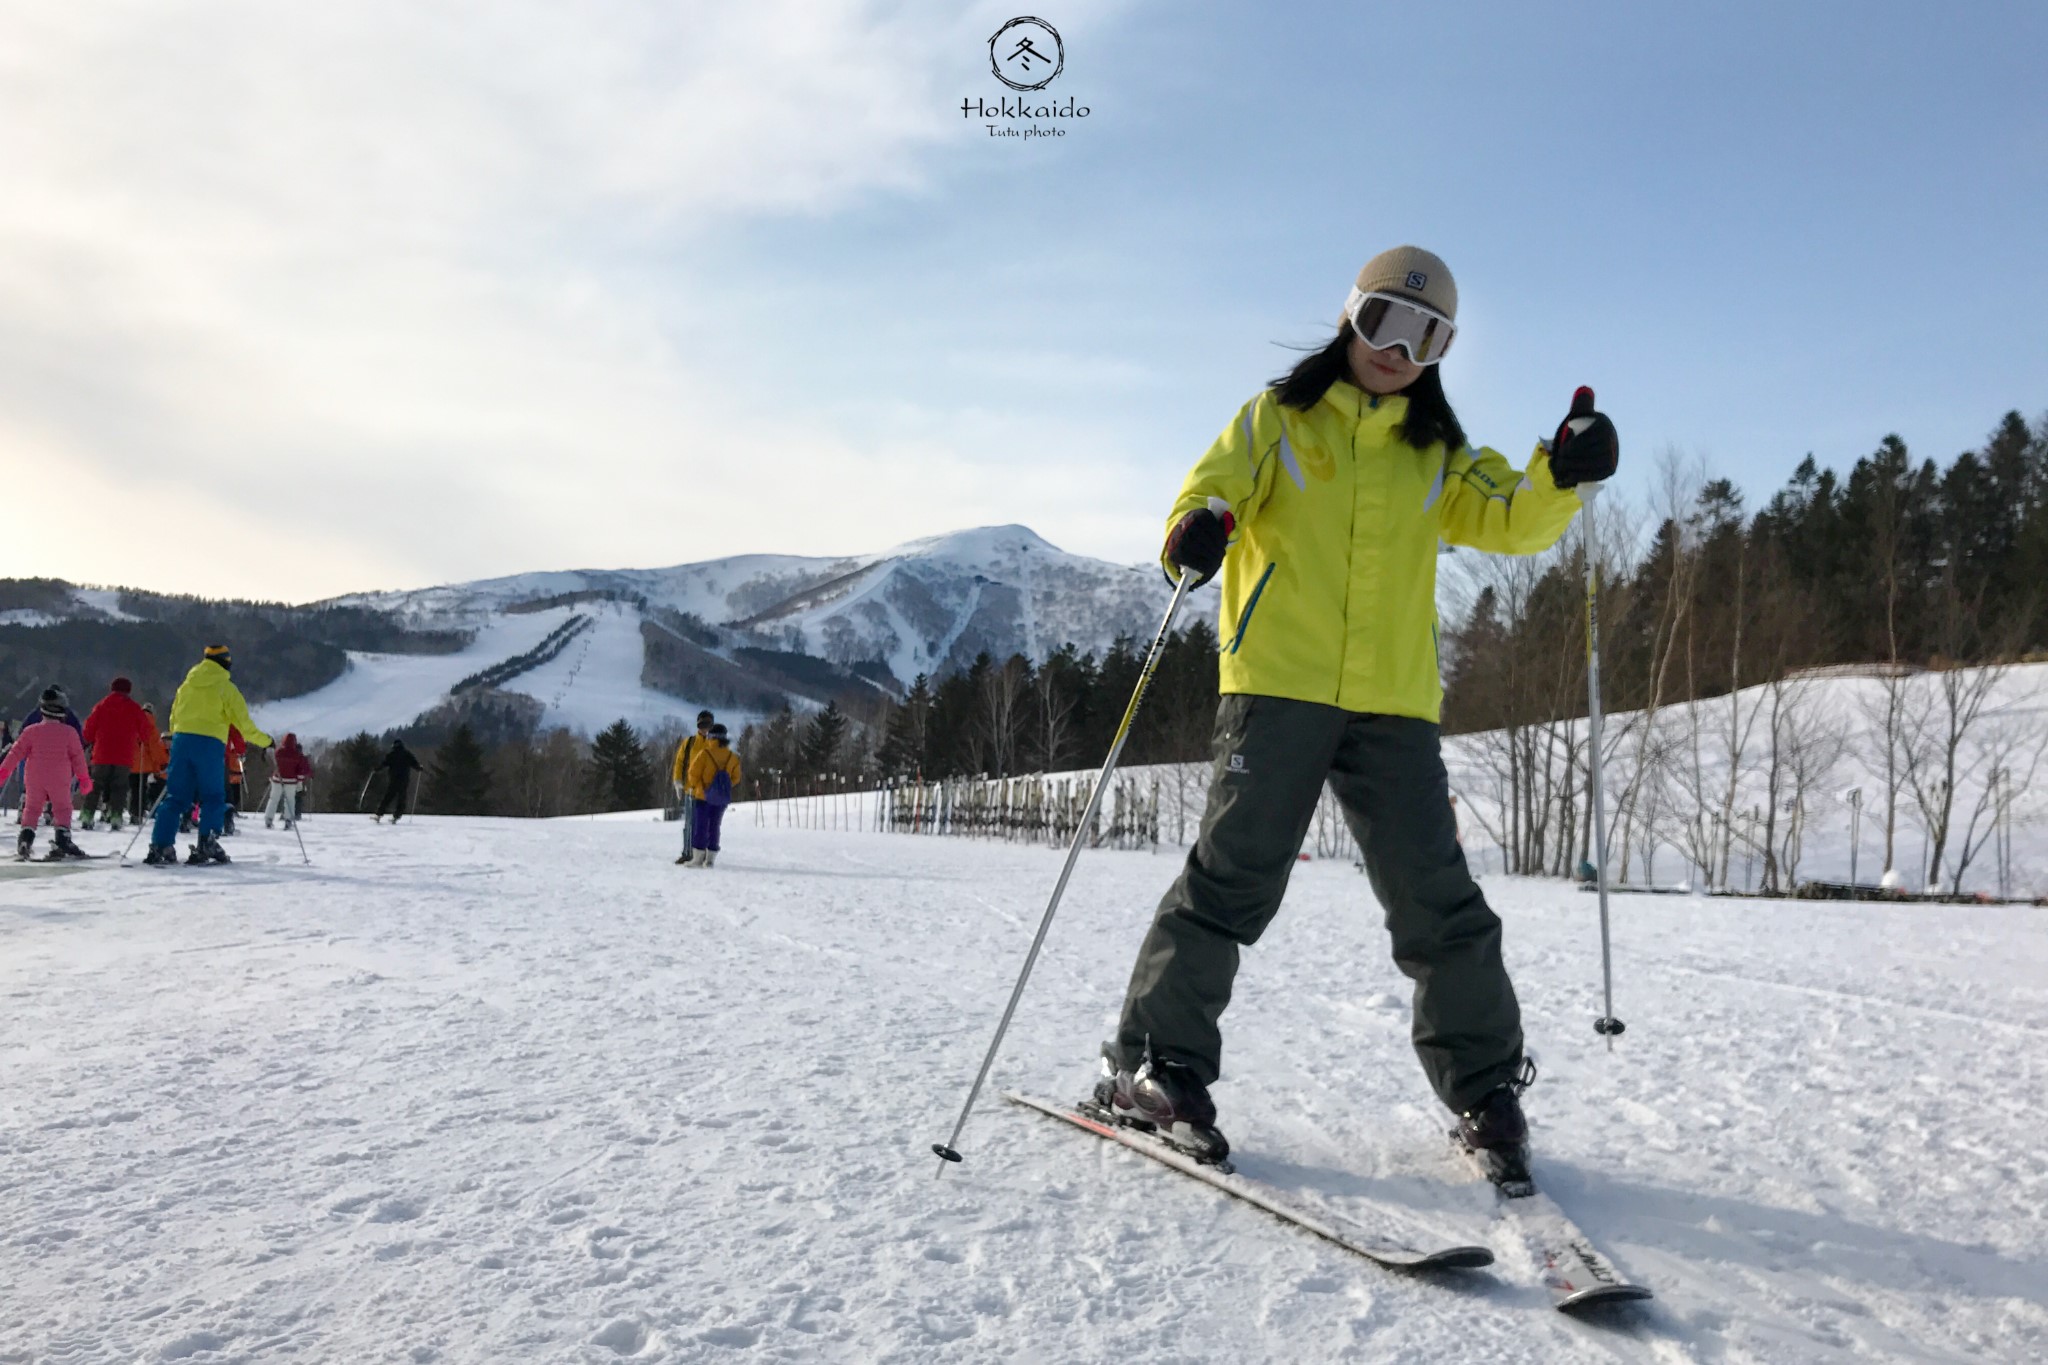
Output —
(1329, 585)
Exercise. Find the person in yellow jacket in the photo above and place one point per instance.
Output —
(686, 752)
(207, 706)
(1323, 503)
(714, 772)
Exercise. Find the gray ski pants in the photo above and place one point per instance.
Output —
(1272, 756)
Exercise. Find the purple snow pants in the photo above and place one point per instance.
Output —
(705, 819)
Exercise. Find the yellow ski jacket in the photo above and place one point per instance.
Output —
(709, 762)
(692, 745)
(1329, 584)
(208, 702)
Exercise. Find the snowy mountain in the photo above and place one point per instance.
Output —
(924, 607)
(581, 648)
(741, 635)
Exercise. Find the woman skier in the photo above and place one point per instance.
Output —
(290, 771)
(1323, 503)
(714, 772)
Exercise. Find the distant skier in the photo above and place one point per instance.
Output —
(237, 751)
(1323, 503)
(714, 772)
(686, 753)
(114, 730)
(398, 767)
(207, 707)
(151, 762)
(290, 771)
(51, 757)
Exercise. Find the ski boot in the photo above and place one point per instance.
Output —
(1165, 1098)
(24, 844)
(160, 855)
(710, 857)
(1496, 1135)
(62, 847)
(207, 850)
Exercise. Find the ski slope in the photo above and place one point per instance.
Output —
(491, 1091)
(590, 684)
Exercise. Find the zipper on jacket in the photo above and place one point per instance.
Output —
(1251, 606)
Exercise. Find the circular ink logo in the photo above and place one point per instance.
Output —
(1026, 53)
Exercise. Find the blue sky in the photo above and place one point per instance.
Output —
(399, 294)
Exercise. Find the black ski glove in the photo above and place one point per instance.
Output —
(1585, 449)
(1197, 542)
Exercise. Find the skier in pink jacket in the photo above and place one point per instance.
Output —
(51, 758)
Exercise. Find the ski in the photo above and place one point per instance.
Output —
(1575, 1271)
(1394, 1253)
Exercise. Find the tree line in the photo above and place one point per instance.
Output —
(998, 718)
(1903, 571)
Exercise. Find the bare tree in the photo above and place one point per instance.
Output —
(2008, 751)
(1003, 688)
(1807, 744)
(1052, 714)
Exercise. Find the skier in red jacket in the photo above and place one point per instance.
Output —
(290, 771)
(115, 731)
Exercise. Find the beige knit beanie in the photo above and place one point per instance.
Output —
(1419, 274)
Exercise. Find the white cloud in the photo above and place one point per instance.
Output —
(362, 293)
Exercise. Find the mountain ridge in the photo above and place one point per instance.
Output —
(742, 634)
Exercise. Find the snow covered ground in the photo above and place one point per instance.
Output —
(471, 1090)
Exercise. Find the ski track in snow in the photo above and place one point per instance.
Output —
(504, 1091)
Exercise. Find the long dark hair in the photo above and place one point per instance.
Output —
(1429, 418)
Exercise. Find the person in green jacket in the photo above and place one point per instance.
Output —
(208, 704)
(1323, 504)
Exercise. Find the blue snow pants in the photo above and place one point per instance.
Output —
(198, 771)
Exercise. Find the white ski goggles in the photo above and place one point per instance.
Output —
(1386, 320)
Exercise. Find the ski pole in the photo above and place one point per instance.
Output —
(1606, 1025)
(144, 821)
(947, 1150)
(293, 806)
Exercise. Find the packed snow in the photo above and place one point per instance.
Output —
(478, 1090)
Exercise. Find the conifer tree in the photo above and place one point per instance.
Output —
(822, 742)
(618, 772)
(461, 782)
